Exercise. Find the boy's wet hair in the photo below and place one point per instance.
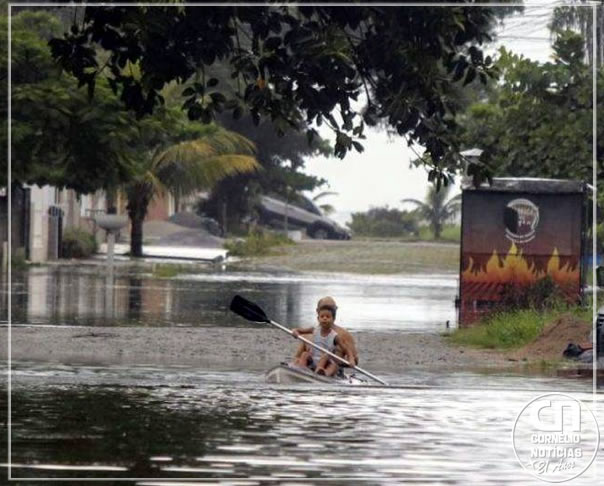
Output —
(330, 308)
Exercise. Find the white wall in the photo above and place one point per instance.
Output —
(41, 199)
(76, 213)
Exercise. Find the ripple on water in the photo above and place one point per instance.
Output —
(230, 425)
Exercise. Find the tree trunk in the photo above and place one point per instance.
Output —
(177, 202)
(437, 230)
(138, 202)
(223, 216)
(136, 235)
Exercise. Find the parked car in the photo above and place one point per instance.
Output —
(192, 220)
(302, 214)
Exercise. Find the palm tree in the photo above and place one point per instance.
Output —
(327, 209)
(185, 167)
(435, 210)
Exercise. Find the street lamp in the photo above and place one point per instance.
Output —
(470, 156)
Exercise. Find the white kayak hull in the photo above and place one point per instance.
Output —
(285, 374)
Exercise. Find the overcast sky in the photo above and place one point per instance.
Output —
(381, 175)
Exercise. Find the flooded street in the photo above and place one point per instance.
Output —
(302, 243)
(147, 423)
(153, 423)
(84, 296)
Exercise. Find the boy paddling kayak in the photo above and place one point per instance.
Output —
(254, 313)
(328, 336)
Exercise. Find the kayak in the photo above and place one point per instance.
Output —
(285, 373)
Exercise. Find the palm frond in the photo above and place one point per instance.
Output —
(199, 164)
(213, 169)
(420, 205)
(191, 174)
(227, 142)
(417, 202)
(323, 194)
(183, 152)
(156, 184)
(327, 209)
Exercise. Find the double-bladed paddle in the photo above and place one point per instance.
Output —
(254, 313)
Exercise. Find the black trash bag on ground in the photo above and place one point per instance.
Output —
(573, 351)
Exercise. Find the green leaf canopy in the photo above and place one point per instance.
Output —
(343, 67)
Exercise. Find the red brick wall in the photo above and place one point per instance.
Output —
(158, 209)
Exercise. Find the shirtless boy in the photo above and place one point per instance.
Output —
(329, 336)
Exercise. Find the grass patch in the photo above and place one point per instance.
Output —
(256, 244)
(514, 329)
(504, 330)
(169, 270)
(365, 256)
(450, 232)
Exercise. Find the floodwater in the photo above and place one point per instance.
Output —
(67, 296)
(153, 423)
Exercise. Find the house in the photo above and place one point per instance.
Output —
(52, 210)
(40, 214)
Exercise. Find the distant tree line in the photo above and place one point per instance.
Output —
(435, 211)
(385, 222)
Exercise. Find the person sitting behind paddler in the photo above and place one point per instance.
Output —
(329, 336)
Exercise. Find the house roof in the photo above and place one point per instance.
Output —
(532, 185)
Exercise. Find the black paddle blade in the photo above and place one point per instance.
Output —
(248, 310)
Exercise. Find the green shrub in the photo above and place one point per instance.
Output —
(78, 243)
(451, 232)
(257, 243)
(514, 329)
(543, 294)
(384, 222)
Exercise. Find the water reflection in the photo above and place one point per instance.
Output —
(229, 425)
(85, 296)
(122, 428)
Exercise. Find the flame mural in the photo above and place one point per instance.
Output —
(482, 286)
(514, 267)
